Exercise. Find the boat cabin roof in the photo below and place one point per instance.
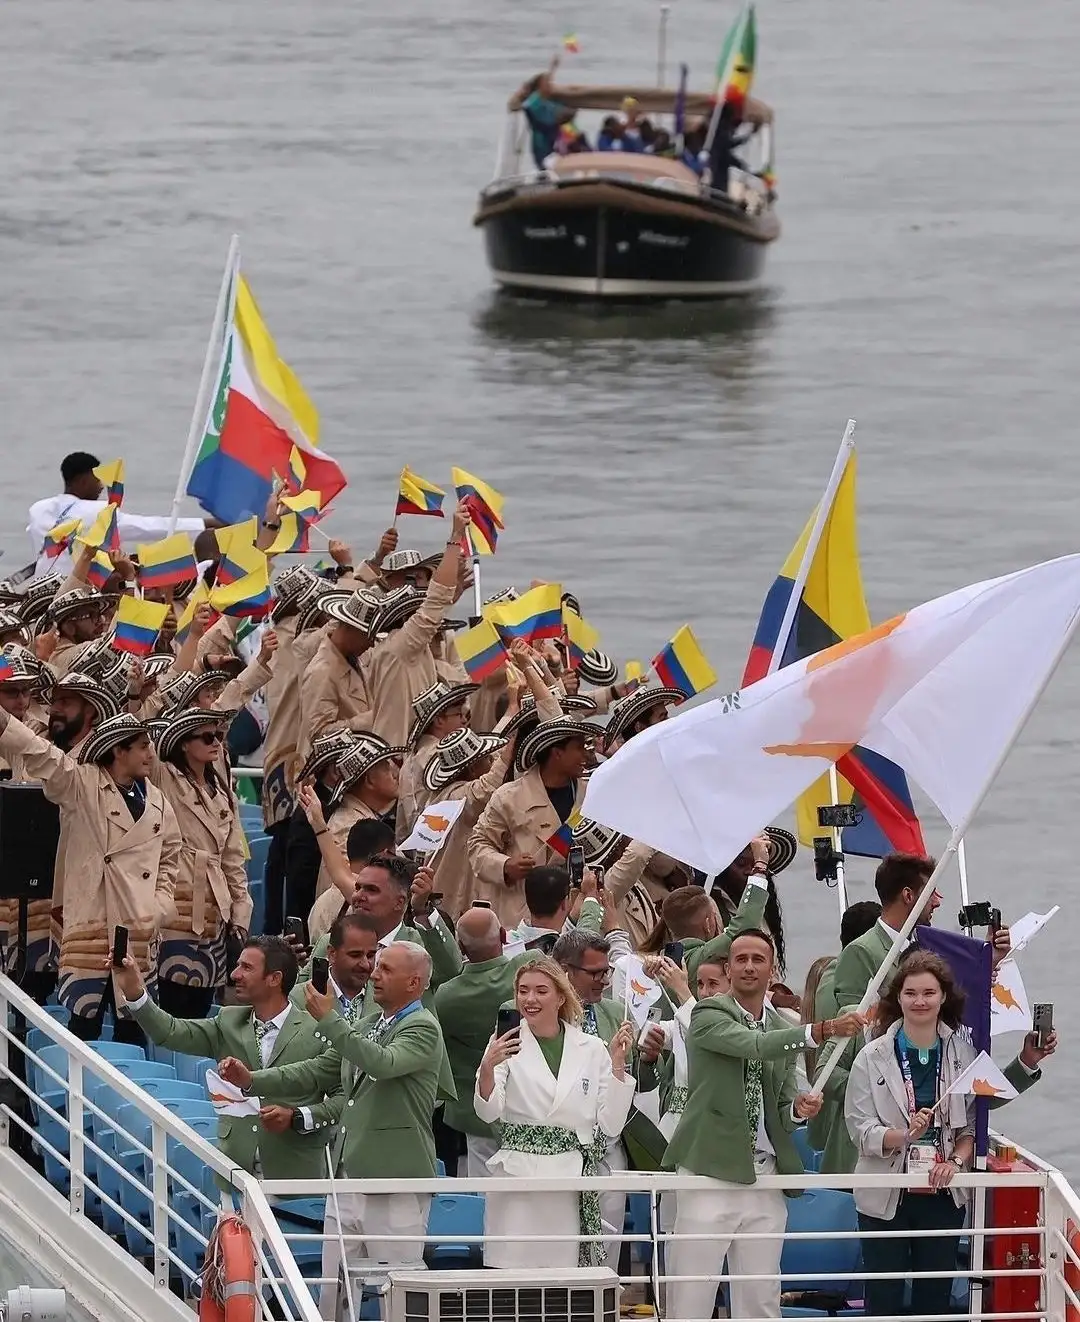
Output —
(651, 100)
(657, 170)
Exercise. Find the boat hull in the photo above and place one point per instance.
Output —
(613, 247)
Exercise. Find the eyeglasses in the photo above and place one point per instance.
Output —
(209, 737)
(597, 975)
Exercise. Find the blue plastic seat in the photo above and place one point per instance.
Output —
(821, 1212)
(100, 1127)
(302, 1216)
(454, 1214)
(135, 1198)
(192, 1069)
(811, 1157)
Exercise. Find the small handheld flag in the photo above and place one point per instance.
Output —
(308, 504)
(58, 539)
(199, 597)
(297, 471)
(481, 651)
(982, 1078)
(534, 615)
(485, 504)
(433, 825)
(637, 991)
(103, 534)
(683, 665)
(165, 563)
(138, 623)
(247, 598)
(563, 838)
(111, 476)
(239, 554)
(581, 637)
(634, 671)
(417, 496)
(293, 536)
(99, 570)
(570, 43)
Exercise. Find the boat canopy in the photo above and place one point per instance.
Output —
(652, 100)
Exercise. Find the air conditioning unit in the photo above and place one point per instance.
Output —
(579, 1294)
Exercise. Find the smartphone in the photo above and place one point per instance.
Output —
(506, 1020)
(674, 951)
(320, 975)
(296, 928)
(120, 946)
(1042, 1020)
(598, 873)
(575, 863)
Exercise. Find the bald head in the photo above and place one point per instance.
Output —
(479, 935)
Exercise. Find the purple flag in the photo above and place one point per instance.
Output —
(972, 963)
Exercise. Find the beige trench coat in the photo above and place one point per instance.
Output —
(332, 694)
(348, 812)
(519, 819)
(453, 873)
(398, 669)
(115, 870)
(413, 794)
(283, 728)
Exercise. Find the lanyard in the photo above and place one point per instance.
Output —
(905, 1071)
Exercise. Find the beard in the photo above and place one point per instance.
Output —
(64, 733)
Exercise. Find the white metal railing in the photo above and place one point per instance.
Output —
(1049, 1261)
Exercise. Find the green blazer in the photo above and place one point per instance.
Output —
(385, 1115)
(713, 1135)
(851, 975)
(440, 945)
(750, 913)
(467, 1007)
(287, 1156)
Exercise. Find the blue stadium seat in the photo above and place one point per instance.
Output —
(259, 846)
(455, 1214)
(100, 1127)
(811, 1158)
(821, 1212)
(192, 1069)
(135, 1198)
(302, 1216)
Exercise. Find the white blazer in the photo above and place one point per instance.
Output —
(586, 1095)
(876, 1101)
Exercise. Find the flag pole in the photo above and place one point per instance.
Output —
(210, 363)
(824, 509)
(901, 939)
(478, 596)
(961, 863)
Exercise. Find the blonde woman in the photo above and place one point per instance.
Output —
(559, 1095)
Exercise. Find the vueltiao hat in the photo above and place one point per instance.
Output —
(396, 607)
(549, 733)
(440, 697)
(359, 610)
(157, 663)
(12, 622)
(398, 561)
(324, 752)
(90, 689)
(70, 603)
(526, 713)
(597, 668)
(290, 587)
(454, 752)
(367, 752)
(627, 710)
(782, 848)
(182, 690)
(309, 608)
(171, 731)
(600, 843)
(106, 736)
(24, 666)
(504, 594)
(37, 595)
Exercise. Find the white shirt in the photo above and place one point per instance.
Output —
(133, 528)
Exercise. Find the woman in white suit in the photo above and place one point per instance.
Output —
(559, 1096)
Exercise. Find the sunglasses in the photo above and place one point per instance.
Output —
(209, 737)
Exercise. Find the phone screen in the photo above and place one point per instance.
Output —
(506, 1020)
(320, 975)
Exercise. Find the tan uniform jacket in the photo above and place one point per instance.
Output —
(453, 873)
(333, 693)
(519, 819)
(413, 794)
(348, 812)
(120, 870)
(283, 728)
(398, 669)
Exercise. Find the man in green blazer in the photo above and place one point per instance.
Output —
(740, 1114)
(266, 1028)
(384, 887)
(396, 1068)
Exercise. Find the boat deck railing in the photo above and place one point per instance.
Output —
(130, 1193)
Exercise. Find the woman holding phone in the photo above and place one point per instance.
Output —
(559, 1096)
(901, 1119)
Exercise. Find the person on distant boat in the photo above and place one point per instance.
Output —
(694, 146)
(722, 155)
(545, 115)
(622, 134)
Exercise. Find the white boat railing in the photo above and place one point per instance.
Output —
(1040, 1257)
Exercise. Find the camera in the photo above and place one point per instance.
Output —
(979, 914)
(29, 1305)
(827, 860)
(839, 815)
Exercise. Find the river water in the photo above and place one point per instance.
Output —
(659, 462)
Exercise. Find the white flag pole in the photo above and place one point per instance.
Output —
(211, 363)
(961, 863)
(901, 938)
(824, 509)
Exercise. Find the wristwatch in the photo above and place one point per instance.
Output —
(958, 1162)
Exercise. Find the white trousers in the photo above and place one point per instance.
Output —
(613, 1205)
(372, 1214)
(474, 1164)
(723, 1210)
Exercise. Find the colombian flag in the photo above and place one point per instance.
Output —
(168, 562)
(7, 670)
(480, 650)
(581, 637)
(297, 478)
(197, 598)
(735, 67)
(239, 554)
(58, 539)
(416, 496)
(103, 533)
(99, 570)
(563, 838)
(307, 504)
(138, 624)
(485, 504)
(683, 665)
(258, 415)
(248, 598)
(111, 476)
(831, 610)
(536, 614)
(292, 538)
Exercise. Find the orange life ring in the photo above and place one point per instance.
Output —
(230, 1266)
(1072, 1272)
